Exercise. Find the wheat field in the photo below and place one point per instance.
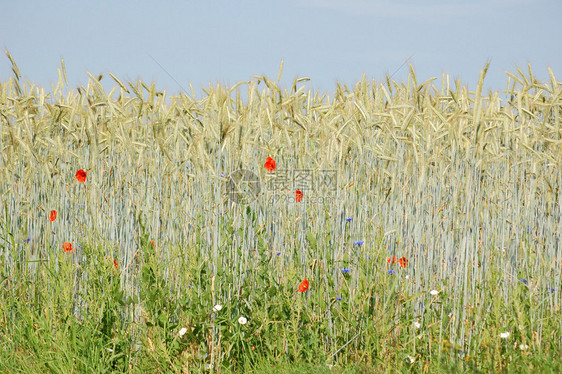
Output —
(436, 247)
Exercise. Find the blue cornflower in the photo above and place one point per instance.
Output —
(278, 253)
(391, 272)
(222, 175)
(345, 270)
(27, 240)
(524, 281)
(367, 256)
(338, 298)
(552, 289)
(359, 242)
(349, 219)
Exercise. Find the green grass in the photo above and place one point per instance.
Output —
(465, 186)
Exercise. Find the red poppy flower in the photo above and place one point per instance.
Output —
(403, 261)
(298, 196)
(152, 242)
(67, 247)
(81, 176)
(53, 215)
(269, 164)
(115, 263)
(303, 286)
(391, 260)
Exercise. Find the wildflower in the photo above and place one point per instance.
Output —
(182, 331)
(53, 215)
(303, 286)
(298, 196)
(115, 263)
(523, 347)
(269, 164)
(403, 261)
(359, 242)
(338, 298)
(217, 308)
(152, 243)
(391, 272)
(81, 176)
(417, 324)
(222, 175)
(345, 270)
(505, 335)
(349, 219)
(408, 276)
(242, 320)
(27, 240)
(67, 247)
(433, 292)
(412, 359)
(391, 260)
(524, 281)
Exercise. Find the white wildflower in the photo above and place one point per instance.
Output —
(417, 325)
(412, 359)
(242, 320)
(217, 307)
(433, 292)
(505, 335)
(523, 347)
(182, 331)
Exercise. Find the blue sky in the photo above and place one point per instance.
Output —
(326, 40)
